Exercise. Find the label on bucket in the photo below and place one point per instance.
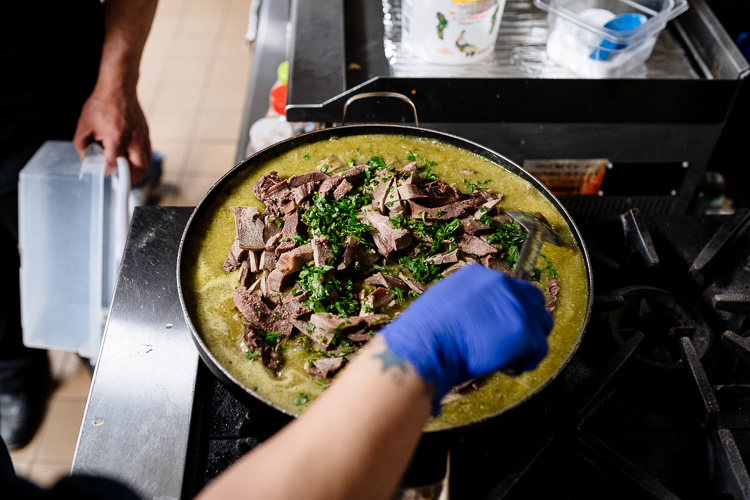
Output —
(451, 31)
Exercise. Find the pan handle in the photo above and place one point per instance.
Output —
(366, 95)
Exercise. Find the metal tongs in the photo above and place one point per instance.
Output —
(538, 232)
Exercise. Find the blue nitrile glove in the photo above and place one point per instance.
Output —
(469, 324)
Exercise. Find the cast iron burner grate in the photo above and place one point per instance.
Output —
(655, 403)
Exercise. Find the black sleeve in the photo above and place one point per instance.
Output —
(79, 487)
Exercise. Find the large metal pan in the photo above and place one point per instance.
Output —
(201, 212)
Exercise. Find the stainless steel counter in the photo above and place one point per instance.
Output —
(138, 414)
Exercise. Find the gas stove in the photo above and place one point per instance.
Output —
(653, 404)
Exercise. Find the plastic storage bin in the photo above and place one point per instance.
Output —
(584, 36)
(73, 222)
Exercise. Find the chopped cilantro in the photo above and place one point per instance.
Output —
(250, 355)
(270, 337)
(306, 157)
(336, 220)
(421, 270)
(476, 186)
(509, 236)
(437, 231)
(548, 265)
(378, 163)
(301, 399)
(327, 294)
(423, 165)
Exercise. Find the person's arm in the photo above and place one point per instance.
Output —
(112, 114)
(354, 442)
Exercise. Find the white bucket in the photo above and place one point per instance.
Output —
(451, 31)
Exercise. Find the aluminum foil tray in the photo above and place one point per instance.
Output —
(520, 51)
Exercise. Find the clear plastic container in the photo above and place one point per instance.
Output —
(580, 40)
(73, 222)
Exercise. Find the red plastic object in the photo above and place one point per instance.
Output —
(278, 98)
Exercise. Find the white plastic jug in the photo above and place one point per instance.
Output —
(73, 222)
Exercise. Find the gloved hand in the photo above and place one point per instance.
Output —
(469, 324)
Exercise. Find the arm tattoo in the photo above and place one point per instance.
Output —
(390, 358)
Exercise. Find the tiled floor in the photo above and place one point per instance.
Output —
(193, 82)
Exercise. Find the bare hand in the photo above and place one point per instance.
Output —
(115, 119)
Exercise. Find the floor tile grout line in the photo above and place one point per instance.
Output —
(164, 68)
(194, 137)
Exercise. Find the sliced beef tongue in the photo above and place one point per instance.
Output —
(275, 282)
(497, 264)
(490, 208)
(259, 315)
(246, 277)
(380, 196)
(445, 258)
(443, 212)
(350, 253)
(322, 251)
(293, 260)
(284, 246)
(236, 256)
(328, 325)
(342, 189)
(413, 284)
(295, 304)
(265, 184)
(366, 258)
(474, 245)
(387, 238)
(410, 192)
(268, 261)
(376, 299)
(267, 354)
(502, 219)
(249, 228)
(552, 292)
(272, 191)
(292, 226)
(303, 192)
(272, 226)
(328, 186)
(330, 163)
(473, 226)
(355, 175)
(360, 336)
(438, 193)
(315, 176)
(386, 281)
(325, 367)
